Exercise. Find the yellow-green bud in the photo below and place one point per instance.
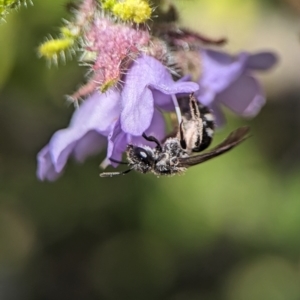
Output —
(138, 11)
(52, 48)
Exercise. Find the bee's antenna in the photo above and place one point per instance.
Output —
(152, 139)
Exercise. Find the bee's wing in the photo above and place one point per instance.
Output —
(234, 138)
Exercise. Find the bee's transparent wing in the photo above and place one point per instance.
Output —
(234, 138)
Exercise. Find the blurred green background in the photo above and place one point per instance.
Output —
(228, 229)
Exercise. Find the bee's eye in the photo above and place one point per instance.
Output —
(143, 155)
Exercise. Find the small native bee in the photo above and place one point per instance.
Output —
(174, 156)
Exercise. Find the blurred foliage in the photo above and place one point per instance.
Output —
(228, 229)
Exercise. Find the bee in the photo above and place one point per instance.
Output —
(175, 155)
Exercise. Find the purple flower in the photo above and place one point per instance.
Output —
(229, 80)
(118, 117)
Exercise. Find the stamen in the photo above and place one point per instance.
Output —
(106, 162)
(177, 109)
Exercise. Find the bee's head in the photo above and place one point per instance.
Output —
(142, 159)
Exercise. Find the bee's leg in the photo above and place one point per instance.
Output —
(204, 122)
(152, 139)
(194, 109)
(181, 136)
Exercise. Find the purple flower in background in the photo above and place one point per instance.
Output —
(229, 80)
(118, 117)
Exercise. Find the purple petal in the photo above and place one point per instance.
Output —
(163, 101)
(156, 129)
(117, 142)
(261, 61)
(90, 144)
(98, 112)
(244, 96)
(145, 75)
(45, 170)
(60, 147)
(176, 87)
(219, 71)
(137, 98)
(137, 113)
